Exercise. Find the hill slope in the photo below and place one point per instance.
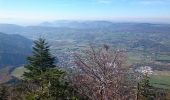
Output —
(13, 49)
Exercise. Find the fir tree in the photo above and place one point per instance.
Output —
(40, 61)
(145, 88)
(43, 74)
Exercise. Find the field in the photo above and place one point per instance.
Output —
(18, 72)
(161, 79)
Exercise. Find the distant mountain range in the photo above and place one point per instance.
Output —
(14, 49)
(78, 24)
(80, 29)
(100, 24)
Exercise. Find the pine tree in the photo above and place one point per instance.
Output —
(47, 79)
(145, 88)
(40, 61)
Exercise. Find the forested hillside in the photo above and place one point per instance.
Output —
(14, 49)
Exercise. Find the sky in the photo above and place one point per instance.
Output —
(35, 11)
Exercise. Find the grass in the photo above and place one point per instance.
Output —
(18, 72)
(134, 57)
(161, 80)
(163, 58)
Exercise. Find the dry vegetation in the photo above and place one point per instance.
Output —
(103, 75)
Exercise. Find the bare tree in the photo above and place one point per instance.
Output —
(103, 74)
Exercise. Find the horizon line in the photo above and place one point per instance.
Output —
(113, 21)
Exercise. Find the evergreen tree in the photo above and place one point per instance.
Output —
(47, 81)
(40, 61)
(145, 89)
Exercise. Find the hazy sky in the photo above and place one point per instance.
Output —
(32, 11)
